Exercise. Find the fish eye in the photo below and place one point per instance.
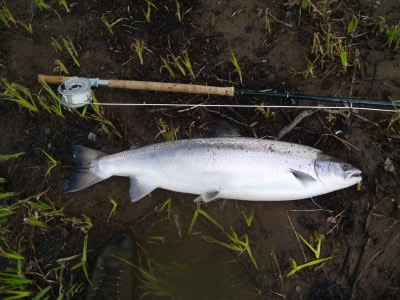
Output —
(345, 168)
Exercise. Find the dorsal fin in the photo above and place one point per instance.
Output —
(224, 129)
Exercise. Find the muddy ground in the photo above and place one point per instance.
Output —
(361, 225)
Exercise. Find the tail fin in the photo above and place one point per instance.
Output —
(82, 177)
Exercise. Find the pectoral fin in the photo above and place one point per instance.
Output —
(304, 178)
(207, 197)
(139, 189)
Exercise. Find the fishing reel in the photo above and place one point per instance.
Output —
(77, 92)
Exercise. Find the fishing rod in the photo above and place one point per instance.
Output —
(76, 92)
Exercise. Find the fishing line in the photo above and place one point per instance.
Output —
(246, 106)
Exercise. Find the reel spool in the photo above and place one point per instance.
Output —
(76, 92)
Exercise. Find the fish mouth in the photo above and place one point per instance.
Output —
(355, 174)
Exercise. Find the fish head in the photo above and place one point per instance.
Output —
(335, 173)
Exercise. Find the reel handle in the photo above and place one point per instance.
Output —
(151, 86)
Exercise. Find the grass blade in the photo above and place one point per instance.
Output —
(297, 268)
(7, 195)
(113, 209)
(167, 66)
(42, 293)
(235, 62)
(5, 157)
(167, 203)
(193, 222)
(208, 217)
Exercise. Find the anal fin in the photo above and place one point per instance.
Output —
(139, 189)
(207, 197)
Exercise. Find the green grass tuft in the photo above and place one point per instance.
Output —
(203, 213)
(319, 238)
(73, 53)
(138, 47)
(55, 105)
(168, 132)
(19, 94)
(352, 27)
(236, 244)
(110, 25)
(51, 162)
(393, 35)
(61, 68)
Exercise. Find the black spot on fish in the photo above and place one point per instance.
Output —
(271, 148)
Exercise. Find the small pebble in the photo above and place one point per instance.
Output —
(388, 165)
(289, 16)
(376, 6)
(92, 137)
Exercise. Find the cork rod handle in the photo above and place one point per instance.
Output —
(52, 79)
(171, 87)
(152, 86)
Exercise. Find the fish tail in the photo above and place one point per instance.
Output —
(83, 175)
